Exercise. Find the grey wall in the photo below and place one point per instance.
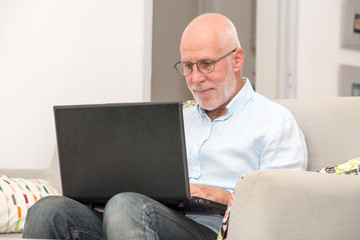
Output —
(169, 21)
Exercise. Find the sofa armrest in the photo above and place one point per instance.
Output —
(281, 204)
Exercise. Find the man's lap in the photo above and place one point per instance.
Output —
(161, 221)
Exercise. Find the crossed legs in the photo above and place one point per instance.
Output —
(127, 216)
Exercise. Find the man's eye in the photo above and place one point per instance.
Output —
(187, 65)
(206, 64)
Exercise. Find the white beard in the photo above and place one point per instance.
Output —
(227, 91)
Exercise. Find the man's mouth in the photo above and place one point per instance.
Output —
(202, 91)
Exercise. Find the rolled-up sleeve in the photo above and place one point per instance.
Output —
(284, 147)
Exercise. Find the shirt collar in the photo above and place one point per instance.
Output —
(238, 102)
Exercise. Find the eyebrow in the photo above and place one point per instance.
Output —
(203, 58)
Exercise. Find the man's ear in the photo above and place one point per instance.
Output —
(238, 60)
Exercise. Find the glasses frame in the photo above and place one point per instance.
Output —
(192, 64)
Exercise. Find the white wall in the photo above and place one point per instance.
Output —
(318, 52)
(66, 52)
(266, 47)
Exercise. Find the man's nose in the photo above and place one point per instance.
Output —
(196, 75)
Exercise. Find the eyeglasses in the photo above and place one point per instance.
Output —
(205, 65)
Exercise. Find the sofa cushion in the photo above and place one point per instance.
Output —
(350, 167)
(17, 195)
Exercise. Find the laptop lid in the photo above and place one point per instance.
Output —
(105, 149)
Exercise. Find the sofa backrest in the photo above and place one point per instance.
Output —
(331, 127)
(51, 173)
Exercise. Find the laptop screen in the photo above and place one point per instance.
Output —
(105, 149)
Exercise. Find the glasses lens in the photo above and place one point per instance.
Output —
(206, 66)
(184, 68)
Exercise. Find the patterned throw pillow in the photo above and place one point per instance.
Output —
(17, 195)
(351, 167)
(225, 224)
(188, 103)
(224, 227)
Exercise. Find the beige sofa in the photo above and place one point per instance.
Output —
(287, 204)
(271, 205)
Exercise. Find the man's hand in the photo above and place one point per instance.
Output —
(212, 193)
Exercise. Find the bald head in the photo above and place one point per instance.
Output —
(212, 27)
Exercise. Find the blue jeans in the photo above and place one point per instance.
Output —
(126, 216)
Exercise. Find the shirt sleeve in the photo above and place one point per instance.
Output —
(284, 147)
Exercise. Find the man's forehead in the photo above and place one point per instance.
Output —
(198, 42)
(199, 48)
(196, 55)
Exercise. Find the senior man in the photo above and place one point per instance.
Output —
(232, 131)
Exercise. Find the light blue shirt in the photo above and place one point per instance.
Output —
(255, 134)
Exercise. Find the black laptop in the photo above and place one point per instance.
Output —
(105, 149)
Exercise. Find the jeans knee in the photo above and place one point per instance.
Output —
(124, 200)
(60, 217)
(41, 215)
(124, 214)
(125, 204)
(43, 207)
(46, 210)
